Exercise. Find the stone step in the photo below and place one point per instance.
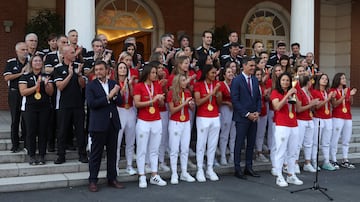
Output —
(21, 157)
(60, 180)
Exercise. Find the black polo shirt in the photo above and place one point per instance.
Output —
(203, 53)
(71, 95)
(228, 58)
(52, 59)
(30, 102)
(14, 66)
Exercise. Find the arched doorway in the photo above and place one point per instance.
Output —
(119, 19)
(265, 23)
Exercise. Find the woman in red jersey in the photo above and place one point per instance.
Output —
(148, 96)
(286, 130)
(127, 115)
(322, 118)
(305, 103)
(207, 122)
(180, 101)
(342, 119)
(226, 111)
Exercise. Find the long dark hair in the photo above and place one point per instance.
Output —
(117, 71)
(134, 57)
(337, 79)
(205, 71)
(146, 72)
(278, 81)
(317, 82)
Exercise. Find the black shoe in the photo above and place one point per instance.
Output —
(51, 149)
(251, 172)
(239, 174)
(60, 160)
(33, 161)
(83, 159)
(15, 149)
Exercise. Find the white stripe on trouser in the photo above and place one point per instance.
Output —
(286, 143)
(306, 133)
(227, 126)
(128, 121)
(325, 137)
(207, 132)
(148, 134)
(260, 132)
(341, 128)
(164, 145)
(270, 136)
(179, 137)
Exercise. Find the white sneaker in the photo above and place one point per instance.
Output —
(273, 172)
(315, 166)
(297, 169)
(293, 180)
(147, 168)
(211, 175)
(174, 178)
(223, 161)
(191, 165)
(200, 176)
(142, 181)
(309, 168)
(280, 181)
(164, 167)
(157, 180)
(185, 176)
(216, 163)
(262, 158)
(130, 170)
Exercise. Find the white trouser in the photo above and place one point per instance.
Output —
(306, 137)
(325, 137)
(286, 143)
(260, 133)
(128, 121)
(179, 137)
(164, 145)
(148, 134)
(343, 128)
(227, 127)
(270, 136)
(207, 132)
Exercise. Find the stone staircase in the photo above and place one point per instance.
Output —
(17, 175)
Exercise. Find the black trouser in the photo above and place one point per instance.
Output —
(51, 128)
(98, 141)
(66, 119)
(37, 126)
(14, 101)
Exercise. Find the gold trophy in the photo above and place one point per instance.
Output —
(292, 99)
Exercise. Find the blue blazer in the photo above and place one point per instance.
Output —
(241, 98)
(102, 111)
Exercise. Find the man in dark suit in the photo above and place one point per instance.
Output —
(246, 100)
(104, 125)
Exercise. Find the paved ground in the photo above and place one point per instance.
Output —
(343, 185)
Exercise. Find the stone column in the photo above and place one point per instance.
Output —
(80, 15)
(302, 24)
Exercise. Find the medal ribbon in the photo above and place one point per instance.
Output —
(209, 91)
(182, 101)
(151, 93)
(325, 96)
(37, 88)
(227, 86)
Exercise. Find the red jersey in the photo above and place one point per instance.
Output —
(324, 111)
(343, 110)
(145, 94)
(225, 90)
(134, 73)
(163, 107)
(283, 117)
(209, 108)
(185, 110)
(305, 100)
(263, 101)
(126, 97)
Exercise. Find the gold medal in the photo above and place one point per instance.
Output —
(344, 110)
(210, 107)
(291, 115)
(152, 110)
(327, 111)
(182, 117)
(127, 106)
(37, 96)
